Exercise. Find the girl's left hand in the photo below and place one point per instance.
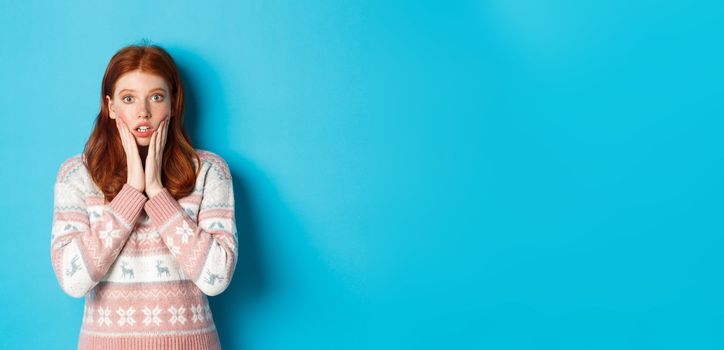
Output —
(154, 159)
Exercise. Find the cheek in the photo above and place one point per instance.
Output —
(125, 113)
(163, 111)
(126, 117)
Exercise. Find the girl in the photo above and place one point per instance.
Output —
(143, 223)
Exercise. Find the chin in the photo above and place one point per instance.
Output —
(142, 142)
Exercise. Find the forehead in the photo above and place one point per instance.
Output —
(140, 81)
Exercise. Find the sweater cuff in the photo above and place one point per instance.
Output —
(128, 203)
(162, 206)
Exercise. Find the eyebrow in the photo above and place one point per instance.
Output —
(131, 90)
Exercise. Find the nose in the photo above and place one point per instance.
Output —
(144, 111)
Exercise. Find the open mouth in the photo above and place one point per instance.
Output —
(143, 131)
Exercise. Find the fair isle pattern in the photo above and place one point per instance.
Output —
(147, 294)
(145, 266)
(150, 316)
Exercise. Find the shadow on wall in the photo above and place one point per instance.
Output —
(248, 284)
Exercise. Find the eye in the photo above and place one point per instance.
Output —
(157, 97)
(127, 98)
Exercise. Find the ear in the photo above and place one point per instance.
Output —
(111, 113)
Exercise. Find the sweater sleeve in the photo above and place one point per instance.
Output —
(206, 248)
(85, 243)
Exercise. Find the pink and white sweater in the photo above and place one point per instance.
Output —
(145, 266)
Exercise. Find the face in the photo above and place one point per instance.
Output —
(140, 99)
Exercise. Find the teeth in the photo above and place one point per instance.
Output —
(142, 128)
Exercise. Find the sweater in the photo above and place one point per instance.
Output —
(145, 265)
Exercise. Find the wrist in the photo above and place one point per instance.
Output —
(136, 187)
(153, 190)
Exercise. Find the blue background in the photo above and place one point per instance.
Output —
(408, 174)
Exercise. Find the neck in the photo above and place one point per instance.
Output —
(143, 152)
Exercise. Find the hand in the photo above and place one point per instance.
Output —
(135, 176)
(154, 162)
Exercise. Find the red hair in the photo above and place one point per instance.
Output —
(105, 157)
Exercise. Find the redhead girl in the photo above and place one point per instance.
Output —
(143, 223)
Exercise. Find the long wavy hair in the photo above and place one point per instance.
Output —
(104, 155)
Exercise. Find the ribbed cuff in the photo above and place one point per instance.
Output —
(162, 206)
(202, 341)
(128, 203)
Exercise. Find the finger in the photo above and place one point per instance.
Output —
(132, 147)
(159, 145)
(131, 139)
(162, 144)
(122, 134)
(126, 132)
(152, 144)
(165, 132)
(159, 139)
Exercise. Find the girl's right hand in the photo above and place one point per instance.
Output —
(136, 177)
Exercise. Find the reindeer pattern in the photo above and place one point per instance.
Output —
(74, 267)
(138, 271)
(212, 278)
(162, 269)
(145, 248)
(126, 270)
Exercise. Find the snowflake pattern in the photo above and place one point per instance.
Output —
(104, 316)
(198, 313)
(184, 231)
(126, 316)
(177, 315)
(109, 234)
(152, 316)
(173, 248)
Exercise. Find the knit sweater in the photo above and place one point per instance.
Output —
(145, 265)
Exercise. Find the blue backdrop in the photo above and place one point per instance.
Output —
(410, 174)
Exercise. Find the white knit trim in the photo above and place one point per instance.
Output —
(149, 334)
